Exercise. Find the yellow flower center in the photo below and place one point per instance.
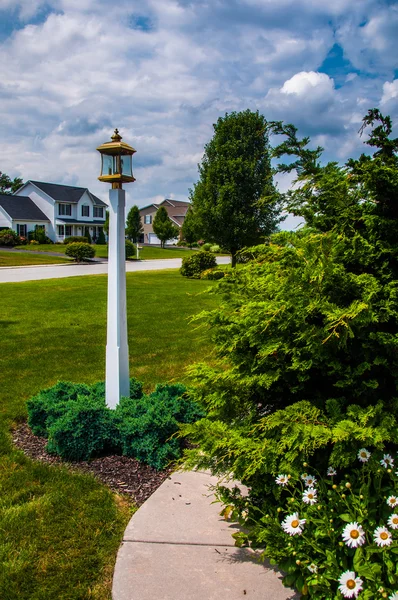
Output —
(363, 454)
(295, 523)
(354, 534)
(310, 496)
(384, 535)
(393, 500)
(351, 584)
(395, 520)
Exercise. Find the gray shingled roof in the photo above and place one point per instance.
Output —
(21, 208)
(65, 193)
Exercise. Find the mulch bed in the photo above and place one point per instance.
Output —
(123, 475)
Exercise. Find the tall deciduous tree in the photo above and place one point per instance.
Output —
(9, 186)
(106, 222)
(235, 202)
(189, 228)
(134, 225)
(163, 226)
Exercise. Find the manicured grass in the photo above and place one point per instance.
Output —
(146, 253)
(16, 259)
(59, 532)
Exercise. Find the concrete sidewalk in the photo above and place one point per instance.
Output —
(177, 547)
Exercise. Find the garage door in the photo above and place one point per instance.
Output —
(153, 238)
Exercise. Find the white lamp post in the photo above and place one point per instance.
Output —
(116, 168)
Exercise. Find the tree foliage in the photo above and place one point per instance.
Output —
(234, 201)
(311, 317)
(163, 226)
(134, 226)
(8, 185)
(189, 230)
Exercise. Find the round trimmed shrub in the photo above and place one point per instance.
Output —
(206, 247)
(193, 266)
(80, 251)
(130, 249)
(216, 249)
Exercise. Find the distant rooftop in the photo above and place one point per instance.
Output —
(21, 208)
(65, 193)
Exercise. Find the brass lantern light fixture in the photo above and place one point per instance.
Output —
(116, 161)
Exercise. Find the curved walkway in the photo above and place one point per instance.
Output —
(177, 547)
(33, 273)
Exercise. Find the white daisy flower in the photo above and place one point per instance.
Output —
(309, 496)
(363, 455)
(312, 568)
(282, 480)
(394, 596)
(393, 522)
(392, 501)
(293, 525)
(350, 586)
(382, 536)
(310, 481)
(303, 476)
(387, 461)
(331, 471)
(353, 535)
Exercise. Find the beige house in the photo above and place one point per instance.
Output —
(176, 209)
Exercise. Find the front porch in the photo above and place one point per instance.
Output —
(76, 229)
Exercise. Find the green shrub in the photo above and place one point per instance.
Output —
(148, 425)
(80, 251)
(193, 266)
(130, 249)
(216, 249)
(39, 235)
(8, 237)
(213, 274)
(87, 235)
(79, 425)
(86, 429)
(206, 247)
(101, 241)
(75, 238)
(50, 403)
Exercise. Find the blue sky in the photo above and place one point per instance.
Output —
(163, 71)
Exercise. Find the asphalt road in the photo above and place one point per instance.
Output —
(33, 273)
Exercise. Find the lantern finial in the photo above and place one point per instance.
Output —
(116, 137)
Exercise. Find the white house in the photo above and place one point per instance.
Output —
(21, 215)
(67, 209)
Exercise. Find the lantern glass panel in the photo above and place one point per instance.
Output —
(126, 164)
(107, 165)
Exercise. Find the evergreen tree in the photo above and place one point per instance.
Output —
(189, 228)
(134, 224)
(106, 223)
(163, 226)
(235, 202)
(87, 235)
(101, 237)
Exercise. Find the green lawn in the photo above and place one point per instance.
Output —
(16, 259)
(59, 532)
(147, 252)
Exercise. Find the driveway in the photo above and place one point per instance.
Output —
(33, 273)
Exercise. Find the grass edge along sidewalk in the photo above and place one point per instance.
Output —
(19, 259)
(60, 531)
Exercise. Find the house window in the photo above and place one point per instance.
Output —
(98, 212)
(85, 210)
(65, 209)
(21, 230)
(148, 219)
(68, 230)
(61, 230)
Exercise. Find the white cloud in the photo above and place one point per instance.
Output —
(68, 81)
(390, 91)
